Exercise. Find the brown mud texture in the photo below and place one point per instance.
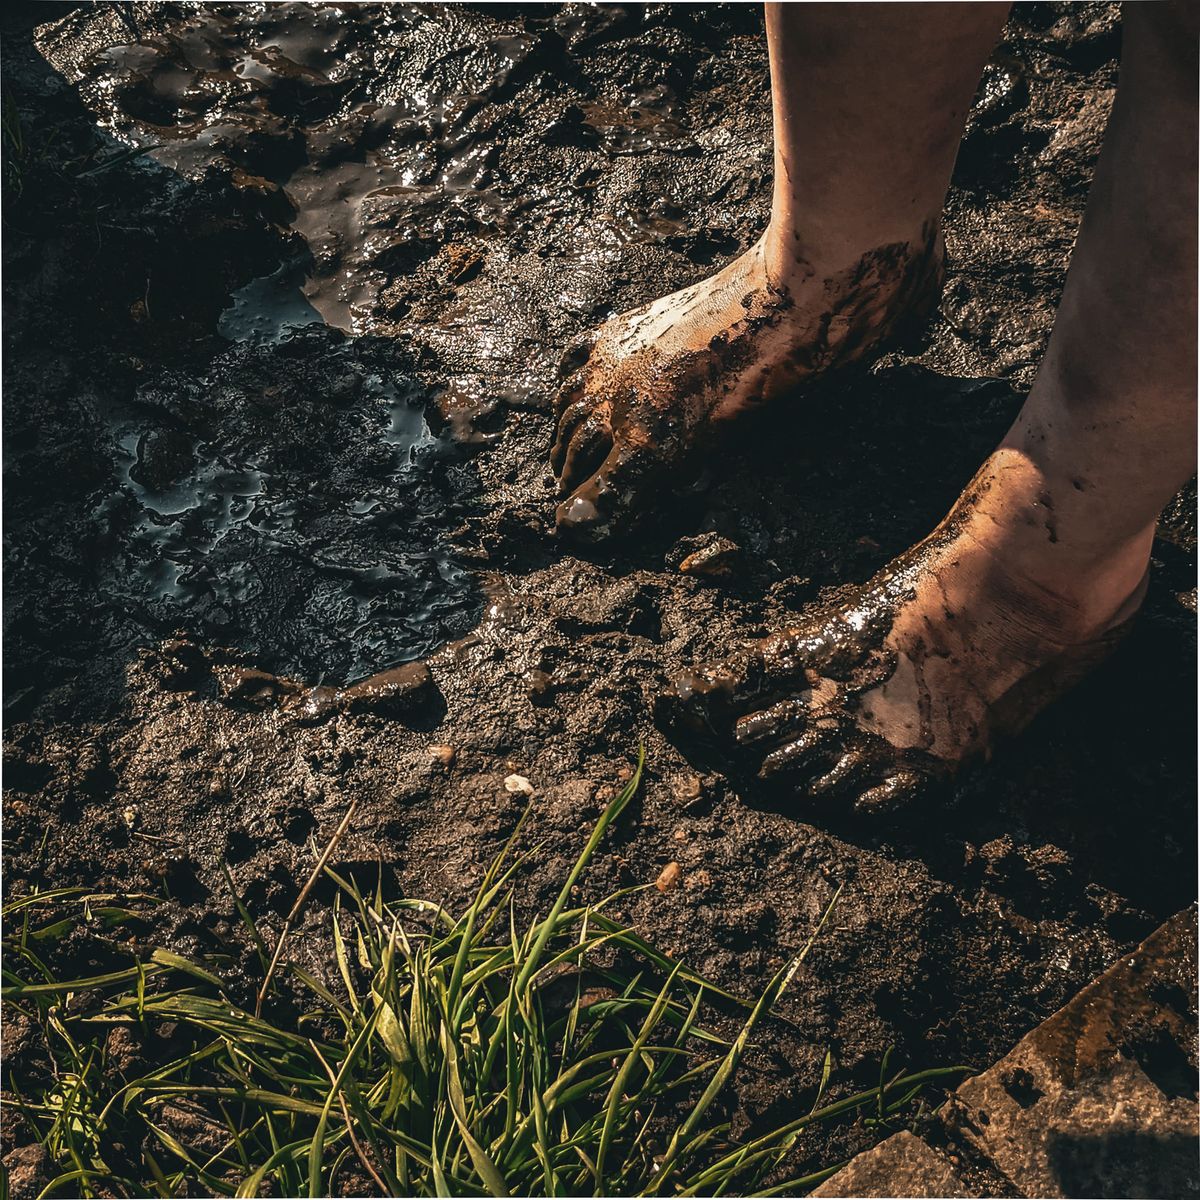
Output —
(285, 295)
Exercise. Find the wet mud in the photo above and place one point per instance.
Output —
(286, 292)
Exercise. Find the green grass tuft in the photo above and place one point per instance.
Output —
(468, 1055)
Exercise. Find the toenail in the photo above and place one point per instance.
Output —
(577, 511)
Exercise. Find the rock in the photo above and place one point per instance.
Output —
(29, 1169)
(518, 785)
(687, 789)
(714, 557)
(1117, 1134)
(443, 755)
(668, 880)
(1100, 1099)
(901, 1166)
(463, 262)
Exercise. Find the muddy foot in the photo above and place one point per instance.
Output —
(661, 380)
(960, 641)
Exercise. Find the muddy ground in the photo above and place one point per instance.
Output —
(285, 295)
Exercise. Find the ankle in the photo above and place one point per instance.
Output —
(845, 259)
(1050, 547)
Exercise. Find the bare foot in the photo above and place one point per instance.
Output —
(964, 638)
(662, 380)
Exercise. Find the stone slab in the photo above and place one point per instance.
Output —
(1100, 1099)
(901, 1166)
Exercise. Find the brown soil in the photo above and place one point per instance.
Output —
(197, 502)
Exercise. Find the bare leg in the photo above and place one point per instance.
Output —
(869, 102)
(1044, 557)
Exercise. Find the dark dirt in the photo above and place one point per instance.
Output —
(277, 404)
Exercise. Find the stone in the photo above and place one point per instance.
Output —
(718, 558)
(901, 1166)
(668, 879)
(1100, 1099)
(443, 755)
(705, 555)
(1114, 1134)
(29, 1170)
(687, 789)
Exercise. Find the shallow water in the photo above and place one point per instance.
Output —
(369, 162)
(321, 578)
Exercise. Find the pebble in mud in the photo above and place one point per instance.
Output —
(716, 558)
(443, 755)
(668, 879)
(687, 789)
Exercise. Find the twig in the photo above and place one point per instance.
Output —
(358, 1147)
(154, 837)
(287, 925)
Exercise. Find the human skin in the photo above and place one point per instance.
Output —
(868, 105)
(1043, 559)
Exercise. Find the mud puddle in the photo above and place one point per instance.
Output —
(285, 295)
(225, 537)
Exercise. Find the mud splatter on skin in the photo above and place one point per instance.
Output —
(645, 406)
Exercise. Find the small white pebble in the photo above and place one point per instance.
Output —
(518, 785)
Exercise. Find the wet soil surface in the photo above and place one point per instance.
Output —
(285, 295)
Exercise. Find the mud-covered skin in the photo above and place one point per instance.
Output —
(660, 382)
(946, 651)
